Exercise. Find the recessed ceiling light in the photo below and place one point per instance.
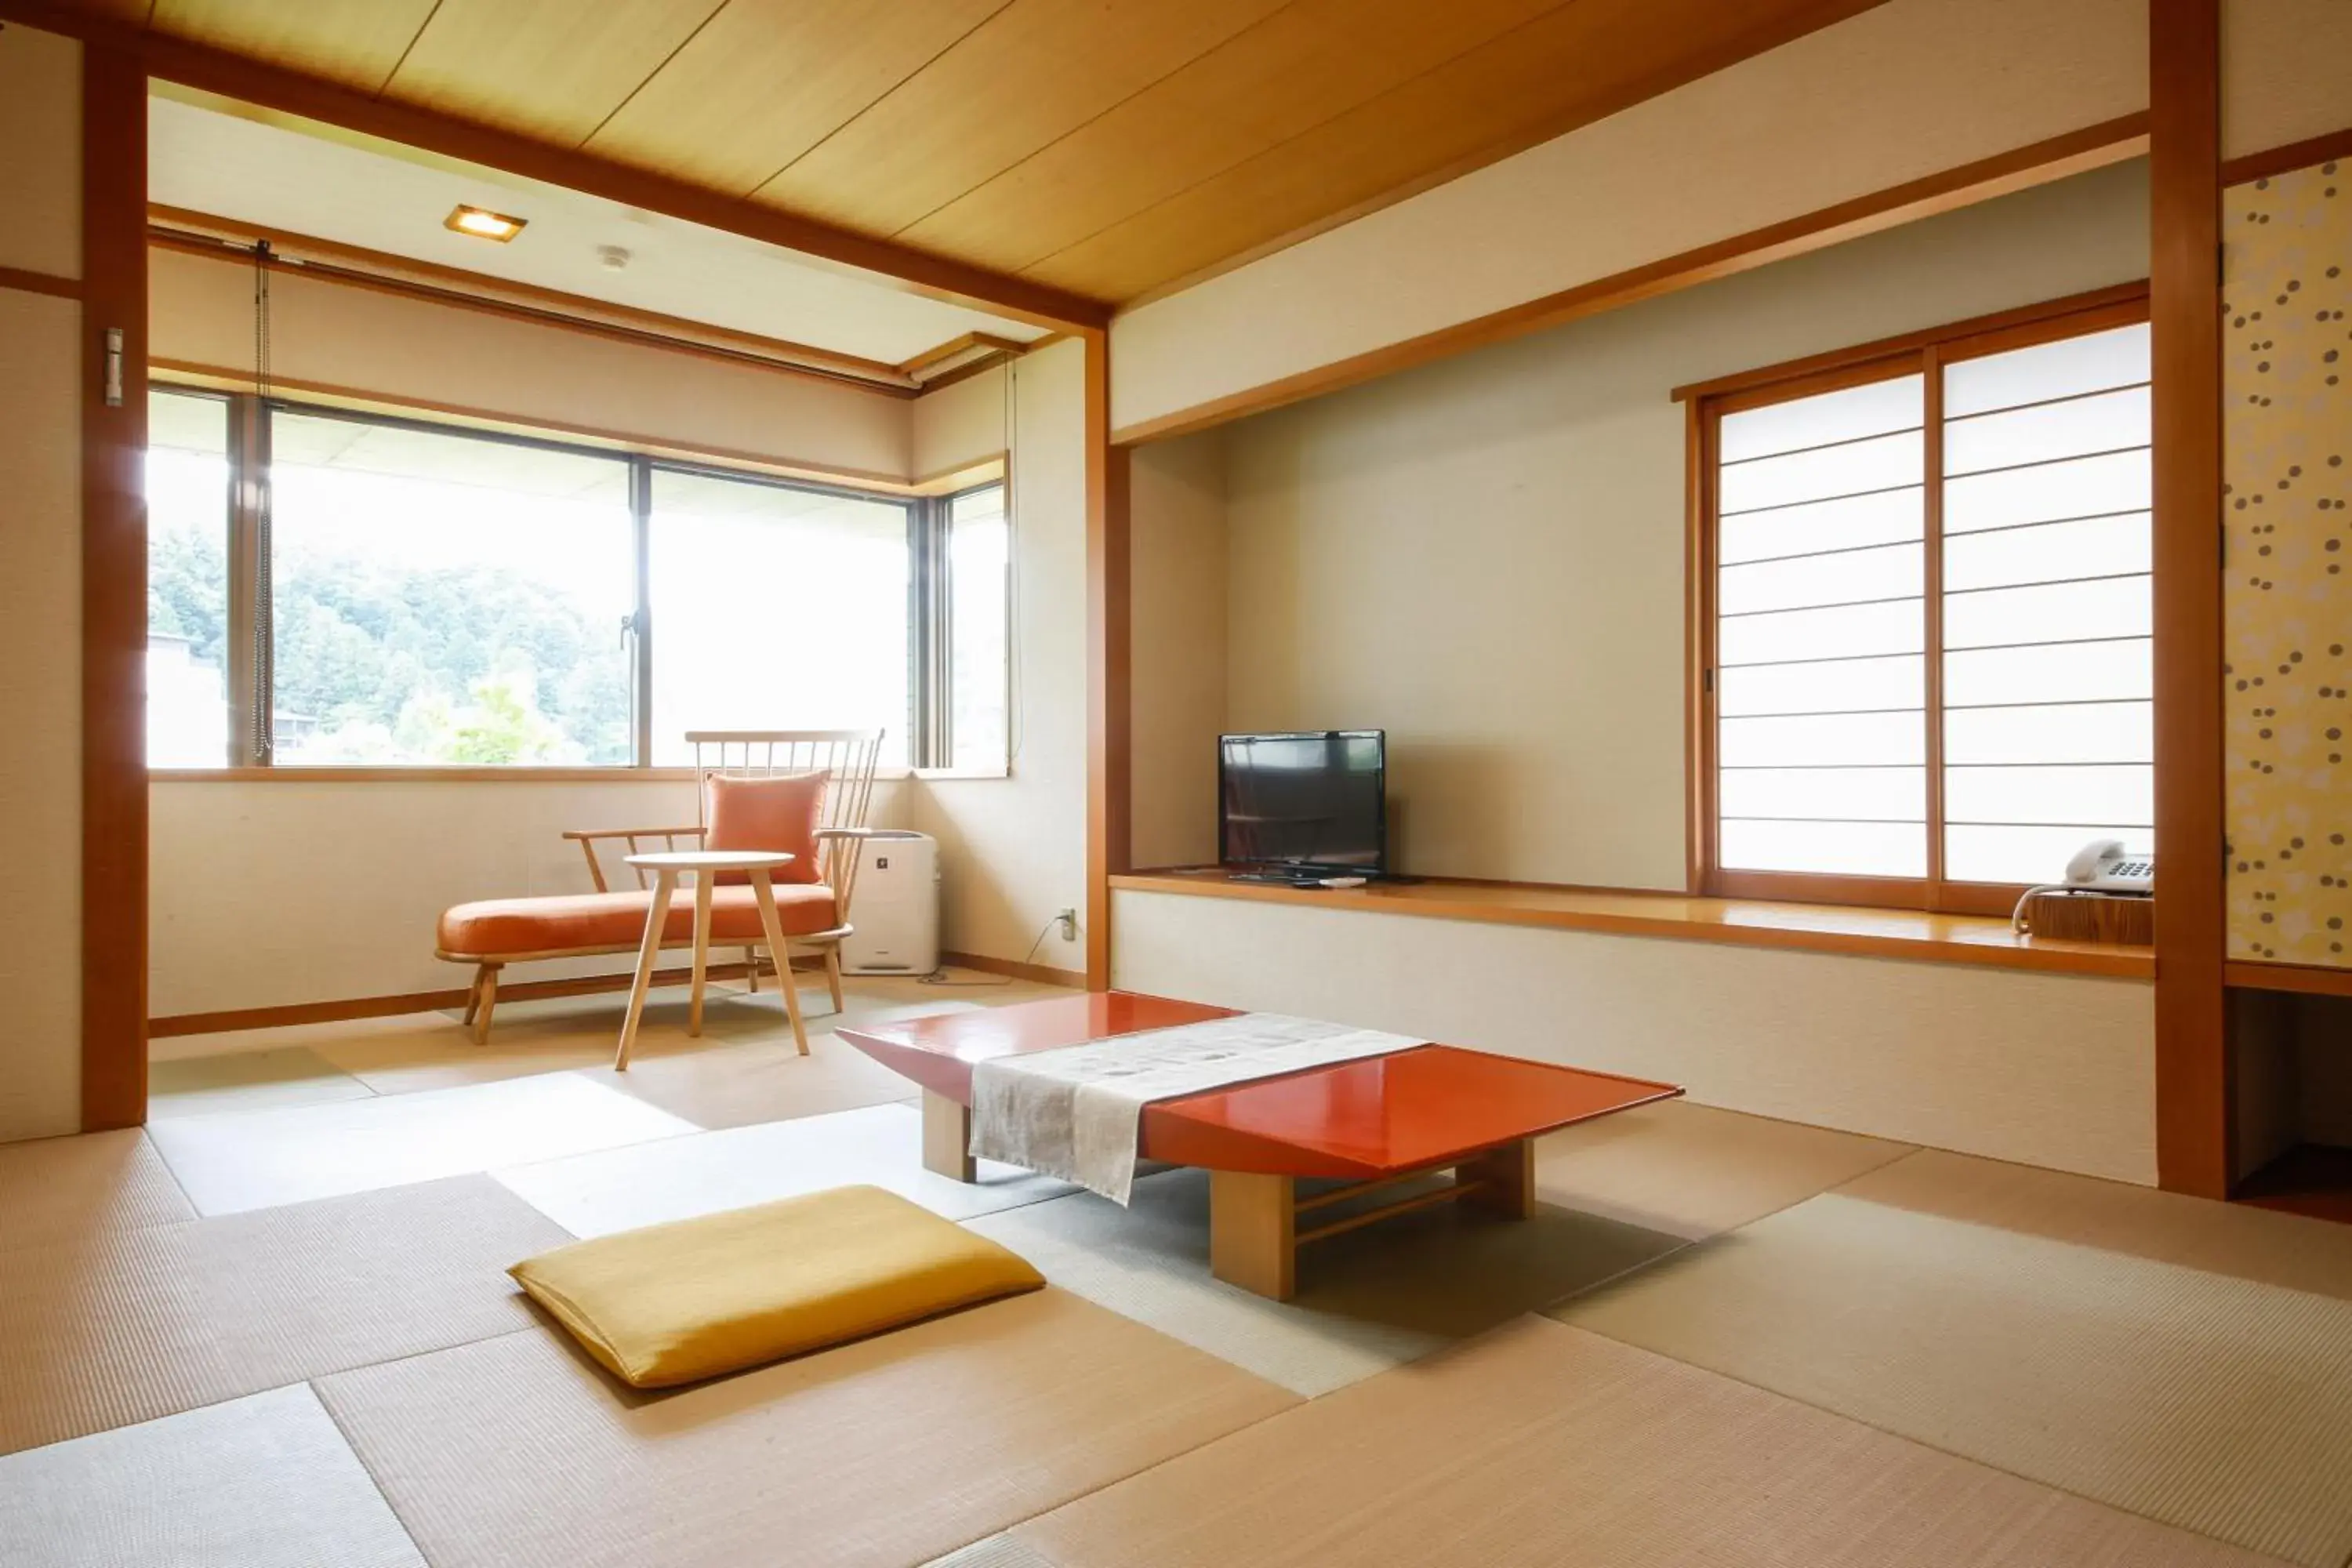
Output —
(483, 224)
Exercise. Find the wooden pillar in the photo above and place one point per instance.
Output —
(1108, 659)
(114, 590)
(2192, 1058)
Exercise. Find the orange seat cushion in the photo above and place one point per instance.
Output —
(780, 814)
(571, 923)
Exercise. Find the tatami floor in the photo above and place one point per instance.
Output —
(273, 1329)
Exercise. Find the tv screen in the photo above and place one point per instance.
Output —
(1309, 800)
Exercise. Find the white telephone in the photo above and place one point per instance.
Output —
(2102, 866)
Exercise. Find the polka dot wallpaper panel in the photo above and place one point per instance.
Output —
(2288, 597)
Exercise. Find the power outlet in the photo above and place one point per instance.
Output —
(1068, 921)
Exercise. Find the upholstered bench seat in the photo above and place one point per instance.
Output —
(560, 924)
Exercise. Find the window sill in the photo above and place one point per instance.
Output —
(1814, 928)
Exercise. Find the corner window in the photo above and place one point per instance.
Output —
(337, 589)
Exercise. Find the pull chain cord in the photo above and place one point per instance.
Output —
(262, 730)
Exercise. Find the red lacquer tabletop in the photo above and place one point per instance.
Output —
(1372, 1117)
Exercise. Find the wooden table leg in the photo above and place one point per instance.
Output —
(1505, 1178)
(1254, 1232)
(701, 950)
(947, 1139)
(772, 928)
(648, 954)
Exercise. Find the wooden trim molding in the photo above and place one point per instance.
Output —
(2094, 146)
(1852, 931)
(2288, 158)
(114, 591)
(2194, 1114)
(210, 70)
(1108, 661)
(211, 238)
(48, 283)
(1043, 975)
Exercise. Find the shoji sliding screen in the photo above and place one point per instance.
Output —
(1926, 667)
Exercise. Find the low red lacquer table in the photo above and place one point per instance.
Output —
(1371, 1123)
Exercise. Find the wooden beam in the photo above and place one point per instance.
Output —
(114, 590)
(2093, 147)
(210, 70)
(1107, 661)
(2192, 1060)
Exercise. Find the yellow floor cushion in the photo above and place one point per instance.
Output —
(673, 1304)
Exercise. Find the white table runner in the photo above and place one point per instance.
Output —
(1074, 1112)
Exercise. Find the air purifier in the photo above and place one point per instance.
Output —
(895, 906)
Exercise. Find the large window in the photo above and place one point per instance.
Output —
(188, 507)
(446, 599)
(334, 589)
(979, 563)
(768, 598)
(1927, 674)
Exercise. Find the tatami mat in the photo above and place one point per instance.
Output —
(1367, 1299)
(106, 1331)
(84, 1189)
(261, 1482)
(1541, 1446)
(248, 1080)
(879, 1145)
(2184, 1359)
(1694, 1171)
(519, 1453)
(759, 1080)
(996, 1552)
(247, 1159)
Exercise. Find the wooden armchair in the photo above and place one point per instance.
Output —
(496, 933)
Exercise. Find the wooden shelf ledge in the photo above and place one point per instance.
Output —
(1741, 922)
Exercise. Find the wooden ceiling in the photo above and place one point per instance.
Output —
(1111, 148)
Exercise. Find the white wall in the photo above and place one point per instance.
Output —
(1485, 556)
(1906, 90)
(413, 350)
(2045, 1070)
(280, 892)
(963, 423)
(1176, 525)
(40, 586)
(1013, 850)
(2286, 72)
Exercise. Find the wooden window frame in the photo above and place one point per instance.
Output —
(1919, 353)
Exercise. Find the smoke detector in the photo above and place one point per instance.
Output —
(614, 257)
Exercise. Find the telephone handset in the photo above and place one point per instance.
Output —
(2102, 866)
(2105, 865)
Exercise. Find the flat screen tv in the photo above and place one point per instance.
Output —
(1304, 803)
